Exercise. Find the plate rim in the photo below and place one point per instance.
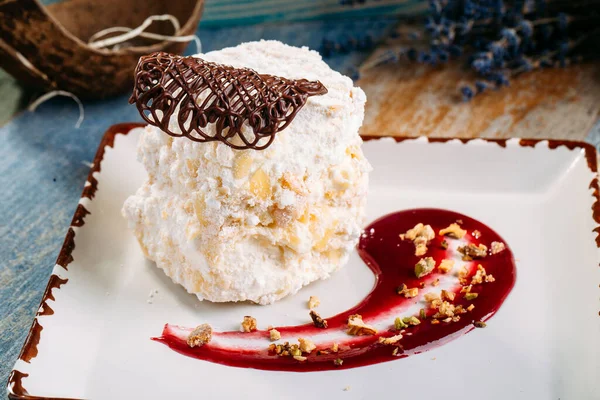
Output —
(14, 387)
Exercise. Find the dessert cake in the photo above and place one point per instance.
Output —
(251, 217)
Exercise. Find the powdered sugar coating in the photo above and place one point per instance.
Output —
(234, 225)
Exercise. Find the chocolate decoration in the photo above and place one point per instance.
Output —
(201, 93)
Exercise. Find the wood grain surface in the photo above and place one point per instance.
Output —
(413, 100)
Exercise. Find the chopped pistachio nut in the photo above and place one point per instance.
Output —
(444, 244)
(471, 307)
(390, 340)
(306, 346)
(285, 349)
(399, 324)
(447, 295)
(300, 358)
(338, 361)
(201, 335)
(412, 320)
(357, 327)
(429, 297)
(334, 347)
(248, 324)
(422, 313)
(420, 236)
(313, 302)
(471, 251)
(497, 247)
(471, 296)
(479, 324)
(454, 230)
(424, 267)
(406, 292)
(476, 234)
(436, 282)
(317, 320)
(445, 266)
(274, 335)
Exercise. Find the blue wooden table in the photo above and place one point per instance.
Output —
(44, 162)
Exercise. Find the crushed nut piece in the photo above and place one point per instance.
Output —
(471, 307)
(479, 275)
(390, 340)
(306, 346)
(422, 313)
(449, 319)
(412, 320)
(399, 324)
(424, 267)
(430, 297)
(200, 336)
(406, 292)
(471, 251)
(317, 320)
(445, 266)
(435, 321)
(454, 230)
(395, 352)
(490, 278)
(447, 295)
(334, 347)
(456, 318)
(338, 362)
(497, 247)
(274, 335)
(444, 244)
(459, 221)
(463, 272)
(479, 324)
(249, 324)
(445, 309)
(471, 296)
(300, 358)
(421, 285)
(357, 327)
(436, 282)
(420, 236)
(466, 289)
(313, 302)
(476, 234)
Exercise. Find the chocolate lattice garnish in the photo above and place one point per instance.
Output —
(200, 93)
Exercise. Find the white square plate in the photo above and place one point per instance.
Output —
(91, 338)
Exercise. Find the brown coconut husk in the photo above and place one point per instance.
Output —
(46, 47)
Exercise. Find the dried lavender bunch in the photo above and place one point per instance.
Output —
(501, 39)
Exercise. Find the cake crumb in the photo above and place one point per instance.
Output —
(497, 247)
(424, 267)
(453, 230)
(306, 346)
(446, 266)
(274, 335)
(317, 320)
(313, 302)
(201, 335)
(420, 235)
(347, 388)
(357, 327)
(248, 324)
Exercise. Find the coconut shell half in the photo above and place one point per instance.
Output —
(46, 47)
